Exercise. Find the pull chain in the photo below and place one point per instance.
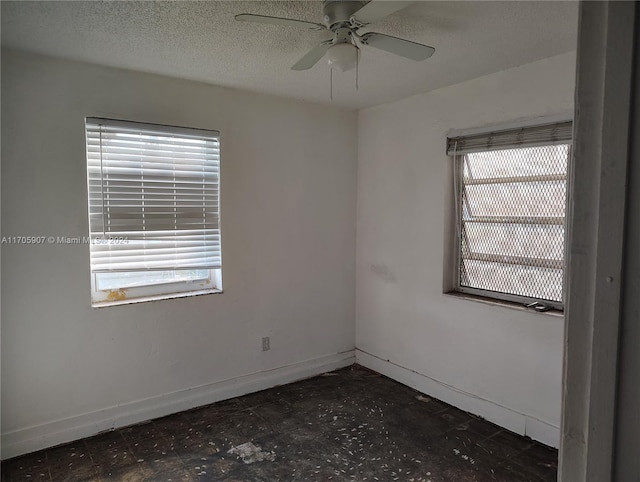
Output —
(357, 66)
(330, 83)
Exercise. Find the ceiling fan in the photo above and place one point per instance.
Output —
(344, 19)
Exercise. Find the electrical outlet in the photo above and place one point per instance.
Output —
(266, 344)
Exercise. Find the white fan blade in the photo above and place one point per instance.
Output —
(249, 17)
(377, 9)
(312, 57)
(398, 46)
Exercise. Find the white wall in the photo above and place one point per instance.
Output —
(502, 363)
(288, 221)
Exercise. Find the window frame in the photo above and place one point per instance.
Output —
(158, 291)
(458, 193)
(211, 284)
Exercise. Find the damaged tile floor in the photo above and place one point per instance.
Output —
(352, 424)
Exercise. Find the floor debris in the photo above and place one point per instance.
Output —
(250, 453)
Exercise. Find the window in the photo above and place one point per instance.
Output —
(511, 202)
(153, 211)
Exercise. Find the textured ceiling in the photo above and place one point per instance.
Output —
(202, 41)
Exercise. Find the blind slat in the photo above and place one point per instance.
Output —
(120, 126)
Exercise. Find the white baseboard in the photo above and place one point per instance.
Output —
(505, 417)
(49, 434)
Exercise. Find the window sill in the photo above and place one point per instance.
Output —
(143, 299)
(502, 303)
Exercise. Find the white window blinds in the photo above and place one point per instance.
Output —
(542, 135)
(153, 196)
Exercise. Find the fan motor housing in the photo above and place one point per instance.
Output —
(336, 13)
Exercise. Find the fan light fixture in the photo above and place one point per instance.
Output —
(342, 56)
(344, 20)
